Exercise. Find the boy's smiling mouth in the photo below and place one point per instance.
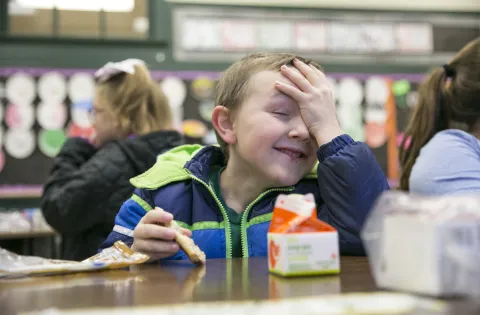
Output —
(293, 153)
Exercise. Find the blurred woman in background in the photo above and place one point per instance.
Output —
(90, 179)
(441, 159)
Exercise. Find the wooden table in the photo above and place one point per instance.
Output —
(180, 282)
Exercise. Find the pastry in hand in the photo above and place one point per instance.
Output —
(194, 253)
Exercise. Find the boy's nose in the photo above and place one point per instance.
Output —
(299, 131)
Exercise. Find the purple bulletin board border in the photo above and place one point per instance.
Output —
(190, 75)
(21, 191)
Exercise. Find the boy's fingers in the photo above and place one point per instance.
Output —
(153, 231)
(310, 74)
(186, 232)
(322, 78)
(297, 78)
(155, 247)
(157, 215)
(289, 90)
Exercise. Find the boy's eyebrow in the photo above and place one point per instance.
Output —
(280, 96)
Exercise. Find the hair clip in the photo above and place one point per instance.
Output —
(449, 71)
(111, 69)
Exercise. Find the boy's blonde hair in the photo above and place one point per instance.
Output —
(137, 102)
(233, 88)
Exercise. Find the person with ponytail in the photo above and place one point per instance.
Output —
(443, 156)
(89, 179)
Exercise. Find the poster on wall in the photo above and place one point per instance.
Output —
(41, 108)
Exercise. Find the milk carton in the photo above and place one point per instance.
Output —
(299, 243)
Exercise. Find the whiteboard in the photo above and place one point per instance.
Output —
(201, 34)
(343, 37)
(361, 38)
(276, 35)
(239, 35)
(414, 37)
(378, 37)
(310, 36)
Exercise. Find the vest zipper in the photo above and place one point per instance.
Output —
(228, 230)
(243, 225)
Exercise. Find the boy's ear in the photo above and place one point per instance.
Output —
(223, 125)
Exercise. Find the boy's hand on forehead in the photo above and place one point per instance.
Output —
(314, 97)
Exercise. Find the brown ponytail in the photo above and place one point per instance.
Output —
(444, 102)
(427, 119)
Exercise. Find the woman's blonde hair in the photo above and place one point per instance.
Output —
(137, 102)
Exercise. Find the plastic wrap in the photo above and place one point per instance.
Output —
(426, 245)
(14, 222)
(23, 221)
(117, 256)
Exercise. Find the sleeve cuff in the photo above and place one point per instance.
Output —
(329, 149)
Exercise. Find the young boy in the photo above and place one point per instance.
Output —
(275, 120)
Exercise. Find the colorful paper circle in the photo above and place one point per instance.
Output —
(401, 87)
(177, 118)
(376, 90)
(52, 87)
(350, 92)
(51, 141)
(376, 135)
(19, 116)
(194, 128)
(52, 115)
(175, 90)
(202, 88)
(20, 89)
(351, 121)
(377, 115)
(205, 109)
(81, 87)
(80, 113)
(75, 131)
(2, 161)
(19, 144)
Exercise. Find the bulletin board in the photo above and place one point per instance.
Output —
(40, 108)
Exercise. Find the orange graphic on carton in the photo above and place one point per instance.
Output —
(297, 214)
(273, 253)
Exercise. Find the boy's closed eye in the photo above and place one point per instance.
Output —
(282, 105)
(283, 108)
(281, 113)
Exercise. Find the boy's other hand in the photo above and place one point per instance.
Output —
(314, 97)
(151, 237)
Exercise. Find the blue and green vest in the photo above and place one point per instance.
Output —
(345, 183)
